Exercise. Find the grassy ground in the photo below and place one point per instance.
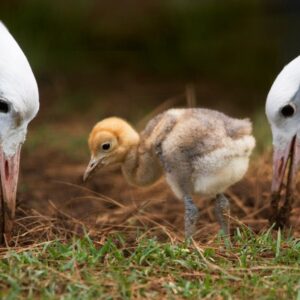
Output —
(107, 240)
(117, 267)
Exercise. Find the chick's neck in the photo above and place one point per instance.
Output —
(141, 166)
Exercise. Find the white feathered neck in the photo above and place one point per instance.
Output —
(285, 87)
(17, 82)
(18, 87)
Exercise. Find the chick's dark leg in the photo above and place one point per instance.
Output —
(191, 216)
(222, 208)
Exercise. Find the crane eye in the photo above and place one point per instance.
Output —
(288, 110)
(4, 107)
(105, 146)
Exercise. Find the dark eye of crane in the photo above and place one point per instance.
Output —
(288, 110)
(4, 107)
(105, 146)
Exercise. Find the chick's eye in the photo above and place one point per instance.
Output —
(105, 146)
(4, 107)
(288, 110)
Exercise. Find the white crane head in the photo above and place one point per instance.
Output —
(19, 103)
(283, 112)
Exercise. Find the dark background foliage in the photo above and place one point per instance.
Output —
(97, 58)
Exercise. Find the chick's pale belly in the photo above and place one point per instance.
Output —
(224, 167)
(231, 173)
(214, 172)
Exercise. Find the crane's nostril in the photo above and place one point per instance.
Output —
(6, 170)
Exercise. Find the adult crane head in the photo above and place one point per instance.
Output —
(283, 112)
(19, 103)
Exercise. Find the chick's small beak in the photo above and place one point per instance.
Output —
(280, 162)
(94, 162)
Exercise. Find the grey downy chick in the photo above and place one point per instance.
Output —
(200, 151)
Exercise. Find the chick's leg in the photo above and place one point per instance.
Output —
(191, 216)
(222, 208)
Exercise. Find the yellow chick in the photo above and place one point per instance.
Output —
(200, 151)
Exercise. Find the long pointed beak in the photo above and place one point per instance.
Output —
(94, 162)
(294, 166)
(9, 173)
(280, 163)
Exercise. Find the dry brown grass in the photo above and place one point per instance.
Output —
(57, 205)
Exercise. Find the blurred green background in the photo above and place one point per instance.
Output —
(98, 58)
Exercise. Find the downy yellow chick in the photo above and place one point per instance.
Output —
(200, 151)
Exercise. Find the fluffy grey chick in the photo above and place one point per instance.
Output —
(200, 151)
